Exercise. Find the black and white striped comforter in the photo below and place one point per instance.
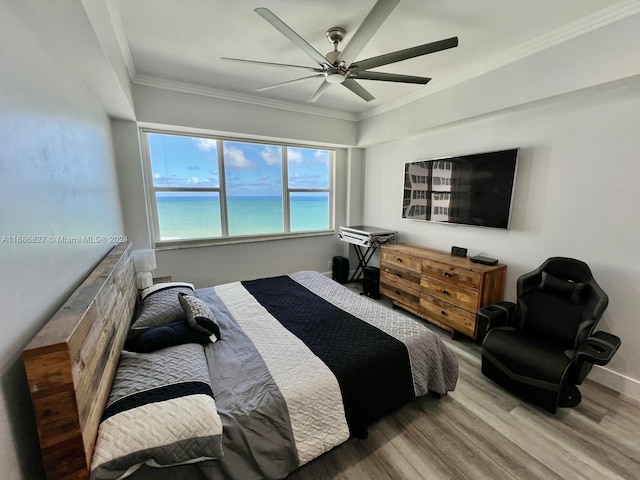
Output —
(304, 363)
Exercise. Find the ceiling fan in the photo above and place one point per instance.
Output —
(340, 67)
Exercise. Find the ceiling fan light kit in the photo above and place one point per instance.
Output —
(339, 67)
(335, 77)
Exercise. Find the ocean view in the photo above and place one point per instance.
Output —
(198, 215)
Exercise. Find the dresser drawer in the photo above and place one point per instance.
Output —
(451, 273)
(401, 260)
(393, 275)
(450, 293)
(449, 315)
(401, 294)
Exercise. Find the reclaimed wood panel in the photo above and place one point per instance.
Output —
(71, 363)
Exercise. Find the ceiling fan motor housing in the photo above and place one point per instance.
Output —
(335, 35)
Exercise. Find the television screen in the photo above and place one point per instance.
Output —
(469, 189)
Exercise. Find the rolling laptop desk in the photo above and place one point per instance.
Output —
(365, 241)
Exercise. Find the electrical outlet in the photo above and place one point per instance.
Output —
(329, 263)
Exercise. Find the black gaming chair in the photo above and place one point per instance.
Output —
(545, 345)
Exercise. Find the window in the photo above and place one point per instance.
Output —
(443, 165)
(440, 210)
(419, 179)
(213, 188)
(441, 196)
(441, 181)
(419, 194)
(417, 210)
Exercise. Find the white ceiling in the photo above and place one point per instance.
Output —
(181, 42)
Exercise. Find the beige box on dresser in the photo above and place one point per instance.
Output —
(444, 290)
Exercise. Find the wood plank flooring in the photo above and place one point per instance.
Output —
(481, 431)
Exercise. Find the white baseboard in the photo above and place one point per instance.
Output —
(616, 381)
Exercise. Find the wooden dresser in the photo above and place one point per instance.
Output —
(443, 289)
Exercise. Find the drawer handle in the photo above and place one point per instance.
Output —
(444, 292)
(399, 260)
(398, 275)
(443, 313)
(447, 274)
(398, 293)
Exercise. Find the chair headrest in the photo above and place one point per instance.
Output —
(568, 269)
(567, 289)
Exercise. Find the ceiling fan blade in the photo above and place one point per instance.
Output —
(356, 88)
(319, 92)
(407, 53)
(289, 82)
(370, 25)
(291, 35)
(392, 77)
(271, 64)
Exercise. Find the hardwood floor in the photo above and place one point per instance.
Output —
(481, 431)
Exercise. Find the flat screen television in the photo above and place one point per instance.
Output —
(468, 189)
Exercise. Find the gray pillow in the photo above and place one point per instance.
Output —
(160, 305)
(199, 316)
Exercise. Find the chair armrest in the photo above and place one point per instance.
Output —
(599, 348)
(498, 315)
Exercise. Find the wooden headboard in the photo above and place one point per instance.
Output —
(71, 363)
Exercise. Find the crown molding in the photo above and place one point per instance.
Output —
(121, 36)
(182, 87)
(582, 26)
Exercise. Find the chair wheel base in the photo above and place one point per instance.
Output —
(570, 396)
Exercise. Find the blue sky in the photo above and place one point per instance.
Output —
(252, 169)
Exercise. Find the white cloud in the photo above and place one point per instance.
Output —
(235, 158)
(206, 144)
(322, 155)
(271, 156)
(193, 181)
(294, 157)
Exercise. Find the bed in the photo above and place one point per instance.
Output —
(301, 364)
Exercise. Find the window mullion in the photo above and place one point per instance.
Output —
(224, 213)
(286, 210)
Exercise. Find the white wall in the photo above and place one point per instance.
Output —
(57, 178)
(168, 107)
(576, 195)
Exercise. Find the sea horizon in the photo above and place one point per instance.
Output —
(197, 215)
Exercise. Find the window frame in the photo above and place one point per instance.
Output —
(225, 238)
